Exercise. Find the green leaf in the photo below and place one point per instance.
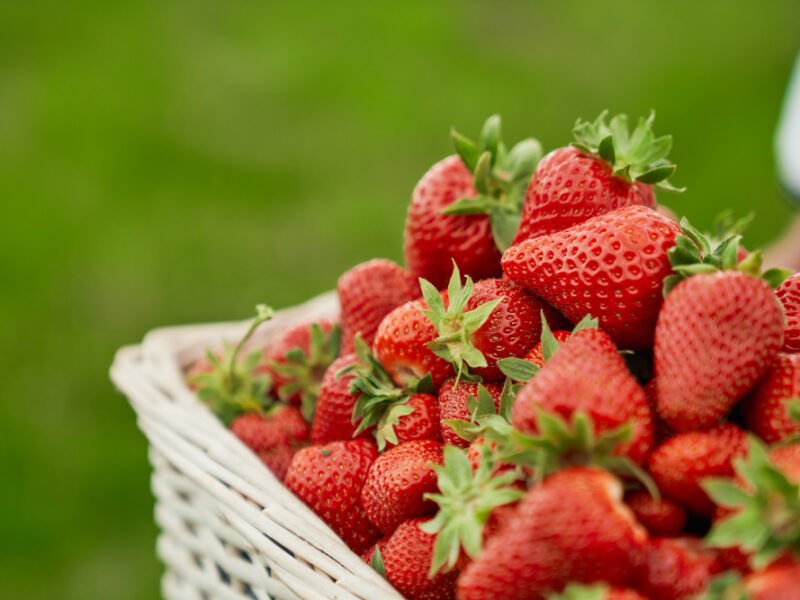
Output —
(549, 342)
(477, 205)
(377, 562)
(724, 493)
(793, 408)
(657, 174)
(587, 322)
(774, 277)
(606, 149)
(522, 160)
(490, 135)
(481, 178)
(504, 227)
(466, 149)
(432, 298)
(517, 369)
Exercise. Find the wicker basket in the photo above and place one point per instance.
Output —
(229, 529)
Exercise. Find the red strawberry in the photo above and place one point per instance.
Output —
(329, 479)
(401, 346)
(485, 323)
(297, 359)
(333, 418)
(717, 335)
(789, 295)
(587, 375)
(607, 169)
(680, 464)
(571, 527)
(467, 206)
(611, 266)
(767, 407)
(422, 423)
(274, 437)
(453, 398)
(367, 293)
(758, 518)
(776, 582)
(677, 568)
(661, 517)
(407, 555)
(397, 481)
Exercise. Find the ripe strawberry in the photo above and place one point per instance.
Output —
(467, 206)
(333, 418)
(611, 266)
(274, 436)
(776, 582)
(453, 397)
(587, 375)
(661, 517)
(758, 519)
(571, 527)
(406, 557)
(537, 353)
(680, 464)
(789, 295)
(676, 568)
(767, 407)
(717, 335)
(595, 591)
(397, 482)
(401, 346)
(297, 360)
(608, 168)
(484, 323)
(329, 479)
(367, 293)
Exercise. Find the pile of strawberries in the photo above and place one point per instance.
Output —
(565, 393)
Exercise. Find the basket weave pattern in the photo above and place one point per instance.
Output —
(229, 529)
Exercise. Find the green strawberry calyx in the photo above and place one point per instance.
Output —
(725, 586)
(233, 386)
(580, 591)
(633, 156)
(485, 420)
(304, 372)
(694, 253)
(455, 326)
(501, 178)
(466, 501)
(381, 403)
(522, 370)
(766, 521)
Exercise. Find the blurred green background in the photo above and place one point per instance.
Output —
(177, 161)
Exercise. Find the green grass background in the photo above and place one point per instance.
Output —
(177, 161)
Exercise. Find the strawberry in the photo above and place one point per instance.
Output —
(660, 516)
(677, 568)
(274, 437)
(467, 206)
(467, 502)
(768, 406)
(759, 513)
(405, 561)
(586, 375)
(401, 346)
(571, 527)
(333, 418)
(537, 354)
(367, 293)
(297, 360)
(608, 168)
(611, 266)
(397, 482)
(789, 295)
(484, 323)
(596, 591)
(776, 582)
(453, 404)
(680, 464)
(718, 332)
(330, 479)
(394, 414)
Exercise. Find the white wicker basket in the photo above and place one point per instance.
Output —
(229, 529)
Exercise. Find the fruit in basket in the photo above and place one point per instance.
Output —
(660, 516)
(297, 359)
(367, 293)
(771, 405)
(454, 399)
(466, 207)
(273, 436)
(329, 478)
(484, 322)
(611, 266)
(789, 295)
(607, 168)
(333, 417)
(587, 374)
(681, 463)
(572, 526)
(397, 482)
(677, 567)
